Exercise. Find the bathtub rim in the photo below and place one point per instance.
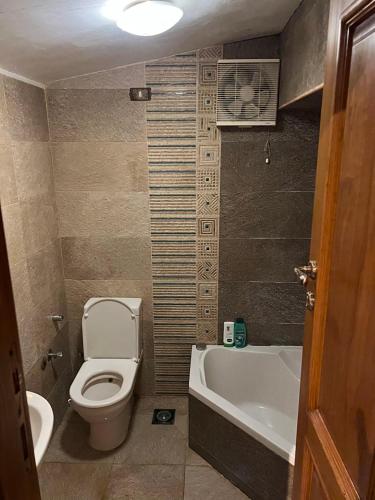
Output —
(228, 410)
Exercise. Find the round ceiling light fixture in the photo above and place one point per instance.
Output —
(144, 18)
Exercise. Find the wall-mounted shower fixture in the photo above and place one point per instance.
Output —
(140, 94)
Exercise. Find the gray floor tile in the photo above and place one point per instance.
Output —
(70, 444)
(146, 482)
(147, 404)
(154, 444)
(73, 481)
(193, 458)
(205, 483)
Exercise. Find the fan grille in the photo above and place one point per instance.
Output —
(247, 92)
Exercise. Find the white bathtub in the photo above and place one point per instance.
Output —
(255, 388)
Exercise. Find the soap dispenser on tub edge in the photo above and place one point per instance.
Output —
(240, 334)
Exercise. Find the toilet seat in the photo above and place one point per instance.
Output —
(125, 368)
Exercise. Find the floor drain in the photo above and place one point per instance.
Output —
(163, 417)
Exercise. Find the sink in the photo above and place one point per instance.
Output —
(41, 420)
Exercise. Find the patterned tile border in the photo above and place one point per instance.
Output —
(184, 182)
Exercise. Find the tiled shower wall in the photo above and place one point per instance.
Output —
(34, 252)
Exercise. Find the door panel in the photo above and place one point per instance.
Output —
(336, 431)
(346, 398)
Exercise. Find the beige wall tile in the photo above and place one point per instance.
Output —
(8, 188)
(103, 214)
(100, 166)
(45, 274)
(42, 380)
(13, 227)
(95, 115)
(26, 110)
(33, 170)
(4, 132)
(78, 292)
(118, 78)
(39, 223)
(145, 384)
(22, 292)
(107, 258)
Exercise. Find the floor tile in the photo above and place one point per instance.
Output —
(146, 482)
(192, 458)
(70, 444)
(73, 481)
(205, 483)
(147, 404)
(154, 444)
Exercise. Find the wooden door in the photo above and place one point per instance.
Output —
(336, 428)
(18, 476)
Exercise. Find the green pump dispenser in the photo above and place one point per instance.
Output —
(240, 333)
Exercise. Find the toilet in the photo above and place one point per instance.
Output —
(102, 391)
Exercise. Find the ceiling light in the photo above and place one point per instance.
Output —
(148, 18)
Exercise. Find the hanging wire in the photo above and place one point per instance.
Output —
(267, 148)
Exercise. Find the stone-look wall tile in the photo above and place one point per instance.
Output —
(92, 213)
(276, 334)
(26, 111)
(266, 47)
(39, 223)
(293, 157)
(4, 130)
(95, 115)
(145, 384)
(266, 215)
(46, 274)
(262, 302)
(118, 78)
(107, 258)
(42, 378)
(76, 344)
(303, 49)
(33, 172)
(13, 228)
(100, 166)
(261, 259)
(8, 187)
(58, 397)
(78, 292)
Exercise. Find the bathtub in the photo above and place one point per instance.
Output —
(252, 395)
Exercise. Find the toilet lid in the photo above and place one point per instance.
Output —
(110, 328)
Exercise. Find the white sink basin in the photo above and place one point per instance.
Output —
(41, 420)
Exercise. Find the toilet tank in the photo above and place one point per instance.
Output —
(112, 327)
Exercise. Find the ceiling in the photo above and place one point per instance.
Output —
(47, 40)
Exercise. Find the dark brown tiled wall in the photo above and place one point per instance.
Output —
(265, 217)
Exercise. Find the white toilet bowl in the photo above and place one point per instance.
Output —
(102, 391)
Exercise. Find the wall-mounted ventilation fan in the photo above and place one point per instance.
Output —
(247, 92)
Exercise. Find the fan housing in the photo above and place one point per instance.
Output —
(247, 92)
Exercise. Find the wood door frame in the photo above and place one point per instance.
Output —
(345, 15)
(18, 475)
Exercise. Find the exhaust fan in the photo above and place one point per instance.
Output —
(247, 92)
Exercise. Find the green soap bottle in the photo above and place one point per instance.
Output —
(240, 334)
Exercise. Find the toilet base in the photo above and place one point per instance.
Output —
(108, 435)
